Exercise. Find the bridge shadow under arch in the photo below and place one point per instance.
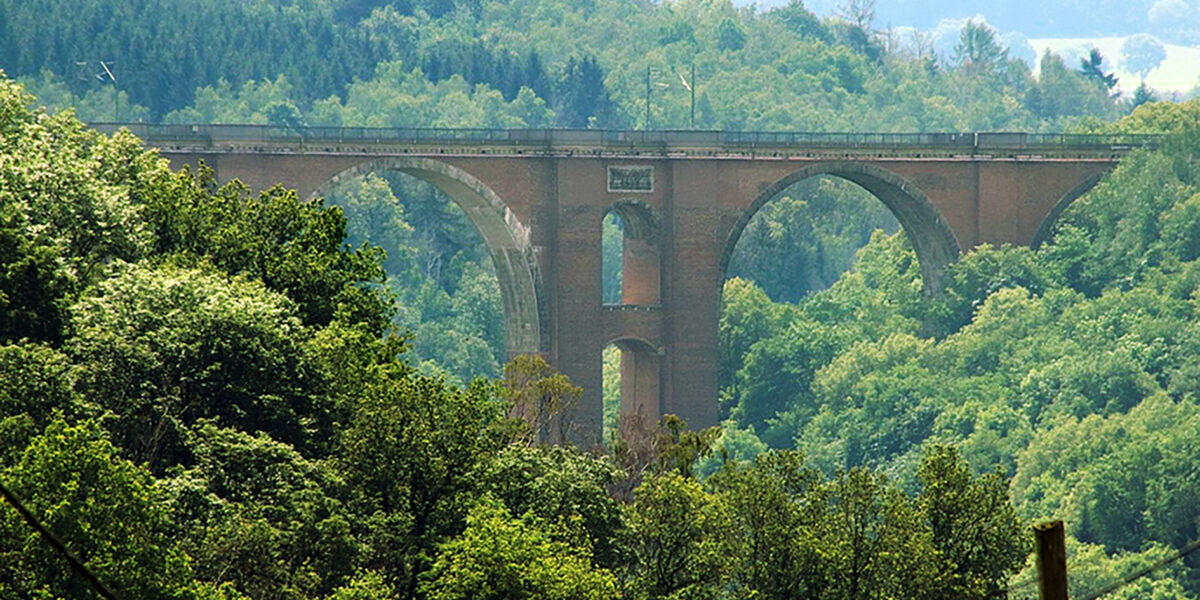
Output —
(506, 237)
(934, 242)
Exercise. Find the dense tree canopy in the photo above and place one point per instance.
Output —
(358, 62)
(216, 392)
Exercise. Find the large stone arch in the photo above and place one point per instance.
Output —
(931, 237)
(1046, 230)
(506, 237)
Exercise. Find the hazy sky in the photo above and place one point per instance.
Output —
(1067, 27)
(1175, 21)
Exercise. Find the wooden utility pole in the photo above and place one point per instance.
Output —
(1051, 560)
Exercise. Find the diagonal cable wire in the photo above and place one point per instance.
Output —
(1028, 583)
(76, 565)
(1188, 549)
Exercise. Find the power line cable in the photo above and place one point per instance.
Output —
(1019, 588)
(1186, 550)
(1028, 583)
(76, 565)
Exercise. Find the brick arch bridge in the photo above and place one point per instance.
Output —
(538, 198)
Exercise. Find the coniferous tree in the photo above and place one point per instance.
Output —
(583, 100)
(1092, 67)
(1142, 95)
(798, 19)
(534, 77)
(730, 37)
(978, 49)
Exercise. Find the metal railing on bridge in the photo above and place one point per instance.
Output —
(212, 135)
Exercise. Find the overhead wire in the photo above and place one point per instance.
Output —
(1132, 577)
(1015, 590)
(76, 565)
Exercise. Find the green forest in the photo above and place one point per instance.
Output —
(485, 63)
(214, 392)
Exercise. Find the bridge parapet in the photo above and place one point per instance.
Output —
(630, 143)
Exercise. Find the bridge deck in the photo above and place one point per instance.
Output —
(650, 144)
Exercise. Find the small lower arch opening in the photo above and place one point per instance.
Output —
(632, 386)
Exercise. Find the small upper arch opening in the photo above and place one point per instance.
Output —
(632, 259)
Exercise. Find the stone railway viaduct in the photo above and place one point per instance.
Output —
(538, 198)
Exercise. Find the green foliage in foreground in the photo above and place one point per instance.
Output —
(498, 557)
(203, 393)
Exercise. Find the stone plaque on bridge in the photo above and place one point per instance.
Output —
(631, 179)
